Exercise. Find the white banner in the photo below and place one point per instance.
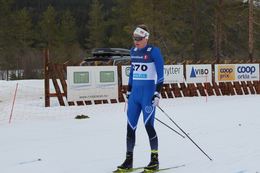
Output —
(236, 72)
(92, 83)
(125, 74)
(173, 74)
(247, 72)
(198, 73)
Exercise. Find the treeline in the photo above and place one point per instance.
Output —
(183, 29)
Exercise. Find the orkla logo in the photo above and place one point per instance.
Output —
(145, 57)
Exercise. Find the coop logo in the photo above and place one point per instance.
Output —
(246, 69)
(198, 72)
(246, 72)
(226, 70)
(226, 73)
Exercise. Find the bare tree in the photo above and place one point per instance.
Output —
(218, 31)
(251, 30)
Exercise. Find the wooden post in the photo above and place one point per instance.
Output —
(120, 85)
(55, 84)
(59, 70)
(46, 78)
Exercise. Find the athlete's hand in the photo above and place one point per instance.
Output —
(127, 95)
(155, 99)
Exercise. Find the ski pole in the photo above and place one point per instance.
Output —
(183, 132)
(169, 127)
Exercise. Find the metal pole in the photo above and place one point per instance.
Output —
(184, 133)
(169, 127)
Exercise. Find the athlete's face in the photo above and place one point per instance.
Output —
(139, 42)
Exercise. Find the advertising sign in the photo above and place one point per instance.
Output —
(172, 74)
(225, 72)
(92, 83)
(247, 72)
(125, 74)
(236, 72)
(198, 73)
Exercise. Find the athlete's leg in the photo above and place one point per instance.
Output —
(149, 115)
(149, 126)
(133, 113)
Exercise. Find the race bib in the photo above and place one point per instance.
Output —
(144, 71)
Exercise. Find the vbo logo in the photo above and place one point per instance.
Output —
(198, 72)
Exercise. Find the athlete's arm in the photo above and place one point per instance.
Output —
(159, 63)
(130, 80)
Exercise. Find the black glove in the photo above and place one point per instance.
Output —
(155, 99)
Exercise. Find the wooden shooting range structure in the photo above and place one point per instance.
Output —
(57, 73)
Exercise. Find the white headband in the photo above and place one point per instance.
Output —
(141, 32)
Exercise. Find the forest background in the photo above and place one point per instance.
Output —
(186, 30)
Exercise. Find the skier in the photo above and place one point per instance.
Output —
(144, 86)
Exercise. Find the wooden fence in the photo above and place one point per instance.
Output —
(56, 73)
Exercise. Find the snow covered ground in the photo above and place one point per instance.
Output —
(226, 128)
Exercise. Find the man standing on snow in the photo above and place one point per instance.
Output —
(144, 86)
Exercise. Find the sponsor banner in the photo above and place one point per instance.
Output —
(236, 72)
(198, 73)
(172, 74)
(92, 83)
(225, 72)
(247, 72)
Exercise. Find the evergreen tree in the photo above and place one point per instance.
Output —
(7, 40)
(49, 33)
(187, 29)
(95, 26)
(24, 39)
(120, 35)
(68, 28)
(69, 48)
(23, 25)
(49, 28)
(157, 16)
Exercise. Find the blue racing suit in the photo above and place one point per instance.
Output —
(146, 77)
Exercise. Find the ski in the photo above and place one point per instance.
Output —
(127, 170)
(162, 169)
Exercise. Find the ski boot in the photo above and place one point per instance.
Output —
(154, 163)
(127, 165)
